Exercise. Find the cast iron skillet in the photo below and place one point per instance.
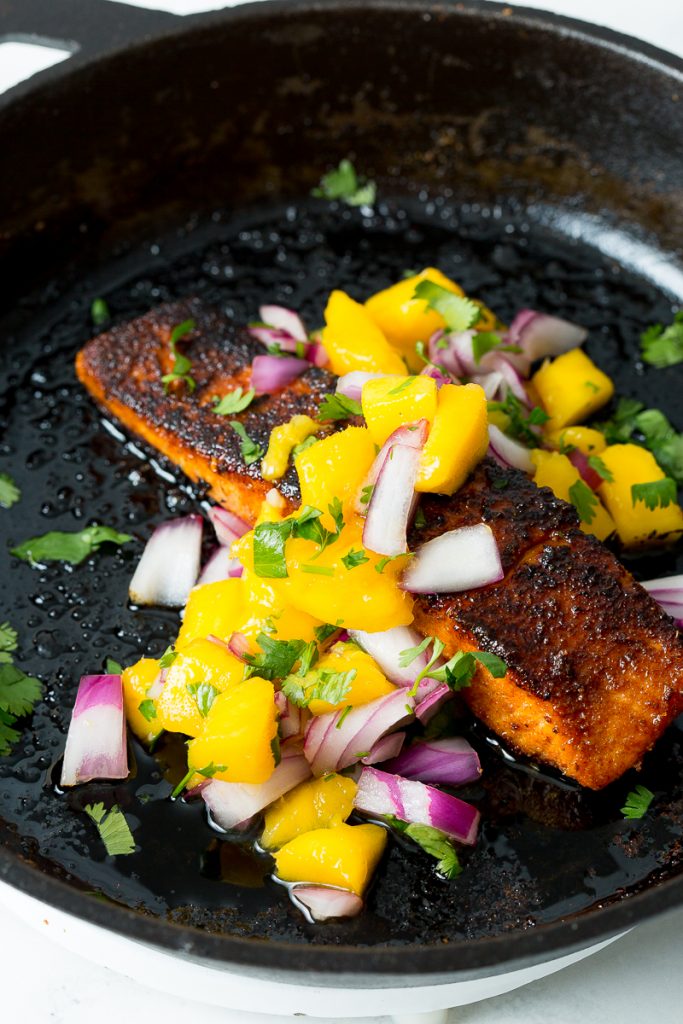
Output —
(529, 156)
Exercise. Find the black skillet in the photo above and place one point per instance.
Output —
(535, 159)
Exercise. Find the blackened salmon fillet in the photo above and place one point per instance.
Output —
(595, 668)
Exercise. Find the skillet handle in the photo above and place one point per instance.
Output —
(86, 27)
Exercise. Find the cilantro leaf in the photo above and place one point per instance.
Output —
(114, 830)
(403, 386)
(459, 312)
(487, 341)
(73, 548)
(433, 842)
(330, 687)
(204, 694)
(112, 668)
(344, 183)
(521, 419)
(324, 632)
(18, 692)
(584, 501)
(234, 402)
(99, 312)
(656, 493)
(408, 656)
(336, 511)
(181, 364)
(9, 492)
(338, 407)
(366, 494)
(299, 448)
(661, 346)
(269, 549)
(383, 562)
(8, 641)
(167, 658)
(637, 802)
(317, 570)
(250, 450)
(459, 671)
(649, 428)
(8, 735)
(354, 558)
(596, 463)
(148, 709)
(277, 657)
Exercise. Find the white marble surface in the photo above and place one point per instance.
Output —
(638, 979)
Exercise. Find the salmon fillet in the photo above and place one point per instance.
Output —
(595, 668)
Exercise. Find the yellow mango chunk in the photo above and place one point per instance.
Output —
(560, 475)
(458, 440)
(282, 440)
(391, 402)
(368, 683)
(238, 734)
(404, 320)
(137, 681)
(268, 608)
(637, 525)
(358, 598)
(316, 804)
(345, 856)
(571, 388)
(215, 608)
(584, 439)
(200, 661)
(353, 341)
(335, 467)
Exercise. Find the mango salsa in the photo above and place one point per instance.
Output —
(216, 608)
(458, 440)
(345, 856)
(637, 524)
(238, 734)
(137, 681)
(282, 440)
(335, 468)
(200, 662)
(571, 388)
(392, 402)
(353, 341)
(584, 439)
(368, 684)
(555, 471)
(316, 804)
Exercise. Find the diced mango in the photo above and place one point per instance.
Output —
(368, 683)
(560, 475)
(269, 609)
(353, 341)
(458, 440)
(215, 608)
(571, 388)
(637, 525)
(335, 467)
(282, 440)
(584, 439)
(345, 856)
(405, 320)
(201, 661)
(238, 734)
(316, 804)
(357, 598)
(137, 681)
(392, 402)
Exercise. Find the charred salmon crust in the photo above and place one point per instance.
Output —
(595, 668)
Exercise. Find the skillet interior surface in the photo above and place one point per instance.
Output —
(549, 851)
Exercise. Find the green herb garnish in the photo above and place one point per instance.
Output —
(234, 402)
(584, 501)
(338, 407)
(521, 419)
(354, 558)
(330, 687)
(99, 312)
(9, 492)
(299, 448)
(650, 429)
(403, 386)
(114, 830)
(317, 570)
(662, 346)
(204, 694)
(433, 842)
(637, 802)
(181, 364)
(8, 642)
(167, 658)
(487, 341)
(73, 548)
(344, 183)
(112, 668)
(366, 494)
(19, 693)
(250, 450)
(657, 493)
(596, 463)
(459, 312)
(277, 657)
(147, 709)
(324, 632)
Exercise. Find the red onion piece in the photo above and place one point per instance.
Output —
(437, 375)
(508, 452)
(458, 560)
(380, 793)
(393, 500)
(386, 748)
(219, 566)
(96, 741)
(270, 336)
(442, 351)
(317, 354)
(386, 647)
(239, 646)
(668, 593)
(452, 762)
(169, 566)
(339, 739)
(351, 384)
(292, 718)
(285, 320)
(433, 702)
(228, 526)
(489, 382)
(540, 335)
(324, 902)
(512, 378)
(232, 803)
(580, 461)
(270, 373)
(157, 686)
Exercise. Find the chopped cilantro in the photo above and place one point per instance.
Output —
(487, 341)
(637, 802)
(9, 492)
(381, 565)
(68, 547)
(330, 687)
(459, 312)
(324, 632)
(459, 671)
(656, 493)
(8, 642)
(420, 521)
(167, 658)
(99, 312)
(250, 450)
(521, 419)
(433, 842)
(662, 346)
(649, 428)
(592, 386)
(181, 364)
(584, 501)
(596, 464)
(347, 711)
(344, 183)
(269, 549)
(18, 692)
(299, 448)
(208, 773)
(403, 386)
(204, 694)
(338, 407)
(8, 735)
(408, 656)
(112, 668)
(147, 709)
(317, 570)
(277, 657)
(234, 402)
(366, 494)
(355, 558)
(114, 830)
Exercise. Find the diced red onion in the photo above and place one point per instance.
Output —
(96, 741)
(339, 739)
(412, 435)
(452, 762)
(220, 566)
(169, 566)
(668, 592)
(232, 803)
(380, 794)
(512, 378)
(443, 350)
(393, 501)
(157, 686)
(458, 560)
(270, 336)
(386, 748)
(351, 384)
(386, 647)
(270, 373)
(436, 374)
(580, 461)
(228, 526)
(324, 902)
(508, 452)
(317, 354)
(428, 706)
(239, 646)
(540, 335)
(292, 718)
(284, 319)
(490, 383)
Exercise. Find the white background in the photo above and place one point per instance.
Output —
(638, 980)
